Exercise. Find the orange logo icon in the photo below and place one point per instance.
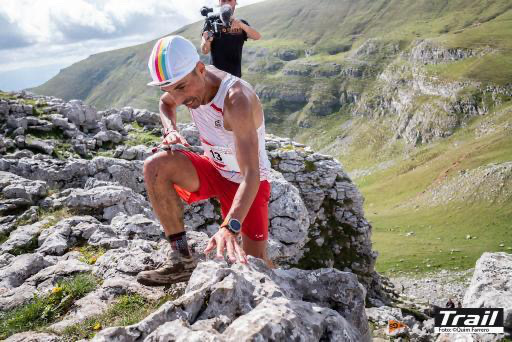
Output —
(396, 327)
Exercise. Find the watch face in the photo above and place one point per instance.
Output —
(235, 225)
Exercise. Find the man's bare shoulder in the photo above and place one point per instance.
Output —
(240, 94)
(167, 99)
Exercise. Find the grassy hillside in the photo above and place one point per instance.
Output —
(440, 232)
(408, 95)
(117, 78)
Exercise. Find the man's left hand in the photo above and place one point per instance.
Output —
(236, 24)
(225, 240)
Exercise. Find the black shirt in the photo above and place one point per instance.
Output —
(226, 51)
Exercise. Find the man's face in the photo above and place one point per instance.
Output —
(190, 90)
(232, 3)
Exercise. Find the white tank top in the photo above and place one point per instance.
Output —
(219, 143)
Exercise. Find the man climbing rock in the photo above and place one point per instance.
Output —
(234, 168)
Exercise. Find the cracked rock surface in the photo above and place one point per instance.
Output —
(252, 302)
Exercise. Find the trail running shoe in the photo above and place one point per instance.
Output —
(175, 269)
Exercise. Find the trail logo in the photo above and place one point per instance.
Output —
(469, 320)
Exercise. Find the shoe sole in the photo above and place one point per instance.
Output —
(163, 281)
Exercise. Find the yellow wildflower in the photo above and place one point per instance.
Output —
(97, 326)
(57, 289)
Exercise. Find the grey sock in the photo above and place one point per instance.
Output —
(179, 243)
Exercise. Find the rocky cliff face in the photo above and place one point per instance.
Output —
(383, 81)
(424, 108)
(60, 201)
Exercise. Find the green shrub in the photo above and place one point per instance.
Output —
(126, 310)
(43, 310)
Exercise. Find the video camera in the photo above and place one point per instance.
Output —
(216, 23)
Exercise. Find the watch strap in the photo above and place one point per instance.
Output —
(225, 224)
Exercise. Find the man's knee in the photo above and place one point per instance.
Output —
(157, 165)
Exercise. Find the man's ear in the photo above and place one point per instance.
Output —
(200, 68)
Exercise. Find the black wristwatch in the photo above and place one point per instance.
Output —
(233, 225)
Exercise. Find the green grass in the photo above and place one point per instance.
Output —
(386, 191)
(46, 309)
(140, 137)
(108, 153)
(54, 134)
(437, 233)
(490, 69)
(6, 96)
(126, 310)
(54, 216)
(90, 254)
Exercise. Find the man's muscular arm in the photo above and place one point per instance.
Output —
(167, 113)
(168, 118)
(238, 114)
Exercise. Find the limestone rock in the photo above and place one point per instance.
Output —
(136, 227)
(108, 136)
(13, 186)
(30, 336)
(139, 255)
(107, 200)
(289, 221)
(115, 122)
(491, 285)
(147, 118)
(21, 268)
(58, 239)
(42, 282)
(256, 303)
(23, 239)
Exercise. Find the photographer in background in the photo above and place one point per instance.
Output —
(226, 48)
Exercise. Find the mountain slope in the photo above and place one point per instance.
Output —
(118, 77)
(410, 96)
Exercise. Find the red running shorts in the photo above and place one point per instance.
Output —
(212, 184)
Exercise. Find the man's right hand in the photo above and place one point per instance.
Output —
(173, 138)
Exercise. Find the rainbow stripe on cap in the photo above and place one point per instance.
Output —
(158, 59)
(172, 58)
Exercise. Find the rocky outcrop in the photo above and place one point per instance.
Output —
(334, 233)
(491, 286)
(316, 222)
(316, 216)
(489, 183)
(18, 192)
(262, 305)
(85, 129)
(430, 52)
(75, 173)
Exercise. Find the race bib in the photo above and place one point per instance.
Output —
(222, 157)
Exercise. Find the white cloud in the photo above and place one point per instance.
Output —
(55, 31)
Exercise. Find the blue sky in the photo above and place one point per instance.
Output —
(38, 38)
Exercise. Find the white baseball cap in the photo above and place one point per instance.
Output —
(172, 58)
